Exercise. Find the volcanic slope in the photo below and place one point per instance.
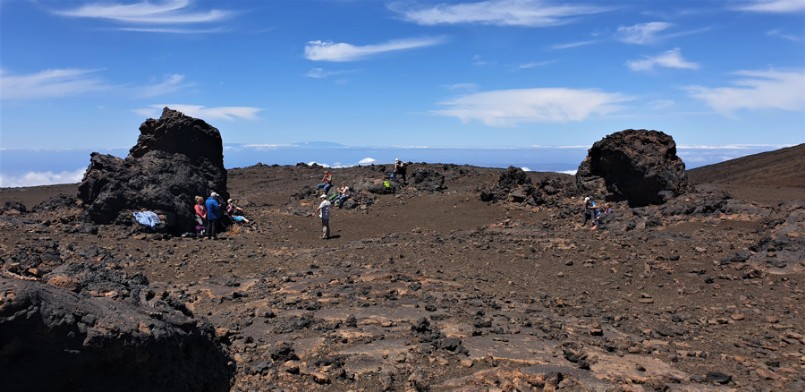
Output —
(438, 290)
(768, 176)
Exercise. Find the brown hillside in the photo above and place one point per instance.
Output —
(783, 167)
(769, 176)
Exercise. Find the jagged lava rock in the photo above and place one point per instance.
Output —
(639, 166)
(176, 158)
(56, 340)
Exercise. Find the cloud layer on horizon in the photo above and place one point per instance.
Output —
(503, 108)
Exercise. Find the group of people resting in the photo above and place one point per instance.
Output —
(598, 214)
(337, 198)
(212, 213)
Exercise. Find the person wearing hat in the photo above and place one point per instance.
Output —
(589, 210)
(235, 213)
(400, 170)
(324, 214)
(213, 205)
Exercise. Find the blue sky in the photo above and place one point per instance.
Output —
(507, 73)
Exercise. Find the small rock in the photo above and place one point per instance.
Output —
(718, 377)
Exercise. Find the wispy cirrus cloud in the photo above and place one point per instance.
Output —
(526, 13)
(571, 45)
(343, 52)
(148, 13)
(503, 108)
(755, 90)
(535, 64)
(772, 6)
(669, 59)
(52, 83)
(198, 111)
(321, 73)
(789, 37)
(171, 83)
(70, 82)
(642, 33)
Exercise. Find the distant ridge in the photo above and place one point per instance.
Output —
(779, 168)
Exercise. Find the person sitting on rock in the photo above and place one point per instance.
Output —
(201, 216)
(602, 215)
(326, 182)
(343, 195)
(234, 212)
(400, 170)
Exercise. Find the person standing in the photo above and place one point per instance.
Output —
(400, 170)
(324, 214)
(589, 210)
(213, 205)
(201, 215)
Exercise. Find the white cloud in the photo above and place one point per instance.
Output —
(463, 87)
(367, 161)
(51, 84)
(198, 111)
(670, 59)
(535, 64)
(571, 45)
(780, 34)
(42, 178)
(641, 34)
(321, 73)
(773, 6)
(756, 90)
(538, 105)
(478, 61)
(170, 84)
(661, 104)
(340, 52)
(528, 13)
(169, 12)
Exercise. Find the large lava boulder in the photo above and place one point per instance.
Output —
(638, 166)
(176, 158)
(52, 339)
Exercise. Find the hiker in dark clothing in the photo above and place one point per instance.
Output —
(400, 170)
(589, 210)
(213, 205)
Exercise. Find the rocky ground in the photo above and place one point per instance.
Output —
(435, 289)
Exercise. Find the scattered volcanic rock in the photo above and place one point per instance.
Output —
(426, 179)
(51, 337)
(513, 185)
(638, 166)
(516, 186)
(176, 158)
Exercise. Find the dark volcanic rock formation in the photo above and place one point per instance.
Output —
(638, 166)
(55, 340)
(176, 158)
(516, 186)
(428, 180)
(513, 185)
